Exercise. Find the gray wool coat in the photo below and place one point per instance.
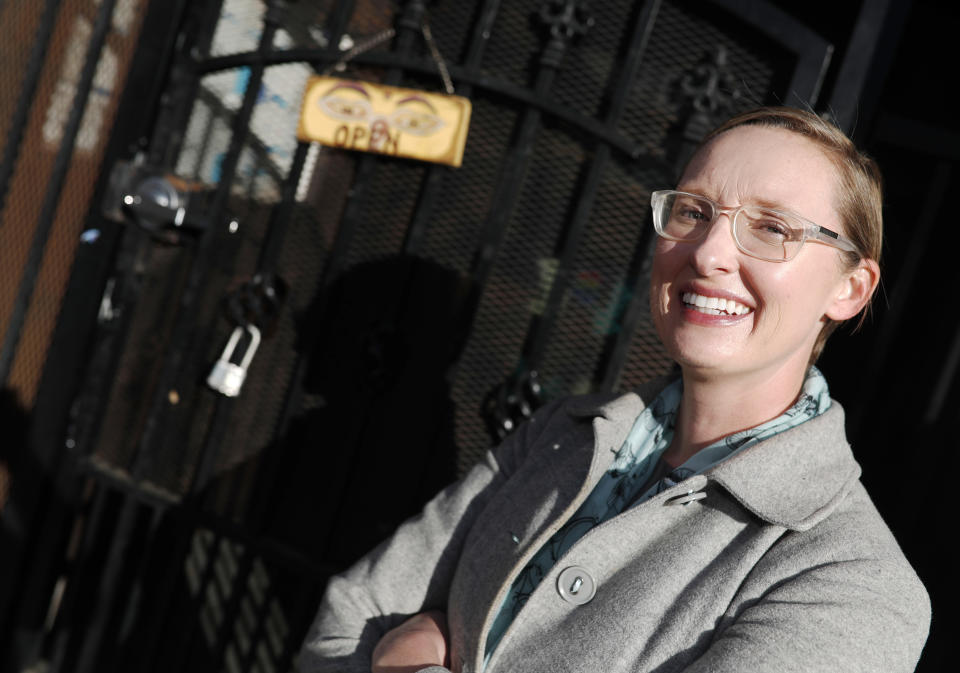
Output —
(785, 565)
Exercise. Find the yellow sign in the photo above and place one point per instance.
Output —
(385, 120)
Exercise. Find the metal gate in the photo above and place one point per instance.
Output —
(410, 314)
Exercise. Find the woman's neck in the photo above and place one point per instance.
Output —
(712, 408)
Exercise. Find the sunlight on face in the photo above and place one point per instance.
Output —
(719, 311)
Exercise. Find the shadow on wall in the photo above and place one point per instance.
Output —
(375, 439)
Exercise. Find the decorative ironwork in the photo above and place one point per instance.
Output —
(705, 95)
(511, 403)
(567, 19)
(710, 87)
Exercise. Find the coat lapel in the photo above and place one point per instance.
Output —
(793, 479)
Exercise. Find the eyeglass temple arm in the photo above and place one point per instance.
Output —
(833, 238)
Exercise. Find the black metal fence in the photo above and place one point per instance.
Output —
(411, 314)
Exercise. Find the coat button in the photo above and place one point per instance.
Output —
(576, 585)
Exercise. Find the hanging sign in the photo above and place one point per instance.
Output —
(384, 119)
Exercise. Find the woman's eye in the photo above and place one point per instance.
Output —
(691, 214)
(773, 229)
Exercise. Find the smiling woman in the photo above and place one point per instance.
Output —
(754, 362)
(713, 521)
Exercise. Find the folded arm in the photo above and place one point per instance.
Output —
(412, 571)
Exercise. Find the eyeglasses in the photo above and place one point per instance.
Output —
(764, 233)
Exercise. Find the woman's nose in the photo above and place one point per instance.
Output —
(717, 251)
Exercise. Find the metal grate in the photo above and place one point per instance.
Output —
(587, 68)
(513, 43)
(452, 236)
(599, 290)
(386, 208)
(518, 287)
(654, 107)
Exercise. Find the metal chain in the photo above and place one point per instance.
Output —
(366, 45)
(437, 58)
(361, 47)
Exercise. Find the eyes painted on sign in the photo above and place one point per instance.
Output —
(371, 117)
(384, 115)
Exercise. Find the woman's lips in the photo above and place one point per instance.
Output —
(713, 305)
(711, 310)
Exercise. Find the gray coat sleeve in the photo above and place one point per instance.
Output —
(412, 570)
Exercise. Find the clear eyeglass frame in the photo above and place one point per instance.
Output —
(747, 238)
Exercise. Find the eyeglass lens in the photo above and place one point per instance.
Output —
(758, 231)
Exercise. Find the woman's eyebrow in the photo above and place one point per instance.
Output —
(773, 205)
(762, 202)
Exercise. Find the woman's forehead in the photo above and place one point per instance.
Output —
(765, 166)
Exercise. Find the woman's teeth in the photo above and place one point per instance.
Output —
(713, 305)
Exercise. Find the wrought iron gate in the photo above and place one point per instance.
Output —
(410, 314)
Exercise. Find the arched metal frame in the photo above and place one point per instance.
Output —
(601, 135)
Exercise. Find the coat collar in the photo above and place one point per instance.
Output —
(793, 479)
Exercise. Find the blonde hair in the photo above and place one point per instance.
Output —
(859, 193)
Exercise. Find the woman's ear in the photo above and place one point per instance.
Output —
(855, 290)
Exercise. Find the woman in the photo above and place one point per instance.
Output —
(713, 522)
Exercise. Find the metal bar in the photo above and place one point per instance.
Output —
(58, 174)
(267, 260)
(862, 60)
(104, 357)
(433, 181)
(259, 632)
(508, 190)
(69, 612)
(615, 354)
(194, 37)
(542, 328)
(95, 628)
(166, 592)
(946, 379)
(186, 633)
(123, 251)
(620, 89)
(31, 78)
(159, 84)
(808, 75)
(280, 217)
(183, 330)
(920, 233)
(812, 50)
(232, 603)
(131, 612)
(461, 74)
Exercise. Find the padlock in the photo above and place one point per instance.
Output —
(227, 377)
